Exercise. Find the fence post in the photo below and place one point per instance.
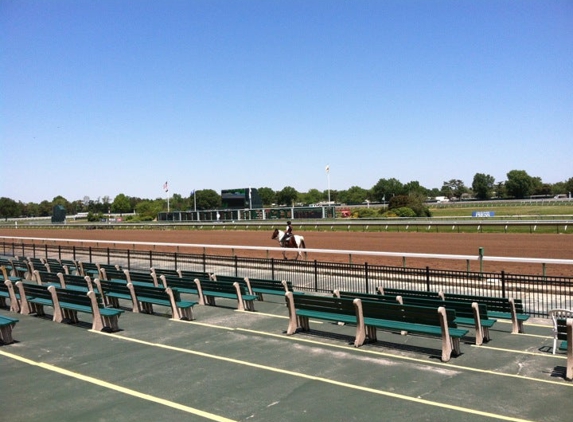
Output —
(366, 277)
(235, 258)
(480, 253)
(315, 275)
(128, 260)
(427, 278)
(150, 258)
(273, 269)
(175, 260)
(503, 283)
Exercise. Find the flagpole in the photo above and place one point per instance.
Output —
(328, 181)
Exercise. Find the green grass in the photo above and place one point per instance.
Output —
(502, 210)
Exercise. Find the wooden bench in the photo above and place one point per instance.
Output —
(147, 296)
(54, 266)
(136, 277)
(179, 273)
(142, 297)
(410, 293)
(260, 287)
(6, 326)
(467, 313)
(70, 302)
(497, 308)
(66, 304)
(114, 291)
(438, 322)
(365, 296)
(372, 315)
(7, 290)
(209, 290)
(301, 307)
(89, 268)
(183, 285)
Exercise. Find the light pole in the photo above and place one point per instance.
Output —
(328, 181)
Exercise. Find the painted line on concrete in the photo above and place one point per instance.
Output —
(411, 359)
(321, 379)
(118, 388)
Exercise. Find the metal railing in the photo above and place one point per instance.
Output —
(539, 293)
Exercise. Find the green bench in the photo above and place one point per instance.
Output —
(372, 315)
(147, 296)
(365, 296)
(559, 320)
(208, 290)
(497, 308)
(7, 290)
(301, 307)
(179, 273)
(410, 293)
(467, 313)
(129, 276)
(433, 321)
(183, 285)
(6, 326)
(114, 291)
(142, 297)
(66, 304)
(88, 268)
(260, 287)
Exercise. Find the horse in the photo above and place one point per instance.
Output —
(295, 241)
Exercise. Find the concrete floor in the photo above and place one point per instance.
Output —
(230, 365)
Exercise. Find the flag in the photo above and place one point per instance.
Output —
(327, 169)
(165, 187)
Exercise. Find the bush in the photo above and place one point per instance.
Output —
(404, 212)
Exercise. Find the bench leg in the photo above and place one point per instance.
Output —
(111, 302)
(36, 308)
(186, 313)
(146, 307)
(210, 300)
(109, 322)
(259, 296)
(6, 333)
(70, 316)
(371, 333)
(249, 305)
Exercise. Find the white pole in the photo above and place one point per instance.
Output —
(328, 181)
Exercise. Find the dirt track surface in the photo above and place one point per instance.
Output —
(554, 246)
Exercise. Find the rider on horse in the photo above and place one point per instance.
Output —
(287, 235)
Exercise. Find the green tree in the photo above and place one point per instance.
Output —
(313, 196)
(287, 196)
(148, 210)
(455, 188)
(177, 202)
(9, 208)
(268, 196)
(353, 196)
(385, 189)
(413, 202)
(208, 199)
(121, 204)
(483, 185)
(519, 184)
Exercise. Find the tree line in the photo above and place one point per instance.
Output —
(518, 185)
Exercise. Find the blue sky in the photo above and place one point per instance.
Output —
(104, 97)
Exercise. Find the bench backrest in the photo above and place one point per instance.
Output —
(221, 286)
(175, 281)
(328, 304)
(77, 280)
(35, 290)
(494, 304)
(267, 283)
(113, 273)
(410, 293)
(366, 296)
(155, 292)
(45, 277)
(406, 313)
(113, 287)
(141, 277)
(77, 297)
(462, 308)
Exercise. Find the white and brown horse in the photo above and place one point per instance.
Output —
(295, 241)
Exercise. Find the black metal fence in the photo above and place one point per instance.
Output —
(539, 293)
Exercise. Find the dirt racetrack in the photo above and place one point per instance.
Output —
(555, 246)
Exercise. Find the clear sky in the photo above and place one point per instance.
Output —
(104, 97)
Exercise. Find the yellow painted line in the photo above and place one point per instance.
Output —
(323, 380)
(118, 388)
(408, 358)
(522, 352)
